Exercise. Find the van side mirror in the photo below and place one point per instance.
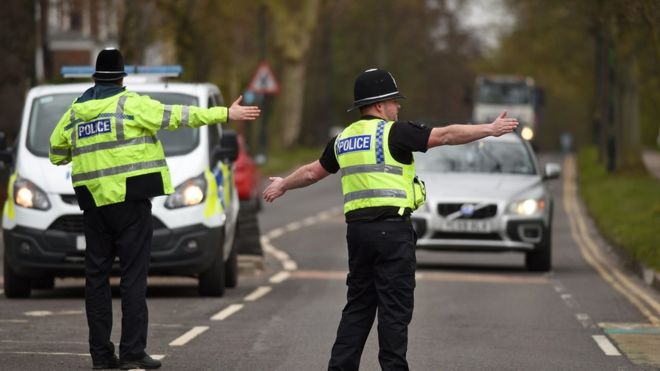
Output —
(6, 155)
(228, 148)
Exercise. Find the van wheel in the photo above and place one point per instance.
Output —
(212, 282)
(15, 285)
(540, 259)
(231, 265)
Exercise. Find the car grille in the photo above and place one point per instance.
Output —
(484, 212)
(68, 223)
(74, 224)
(466, 236)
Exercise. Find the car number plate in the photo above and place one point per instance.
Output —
(477, 226)
(80, 243)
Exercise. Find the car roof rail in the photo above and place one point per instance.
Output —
(77, 72)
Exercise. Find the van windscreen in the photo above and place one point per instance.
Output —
(48, 109)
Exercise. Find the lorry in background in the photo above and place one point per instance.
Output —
(518, 95)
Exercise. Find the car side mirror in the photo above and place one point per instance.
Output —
(228, 148)
(552, 171)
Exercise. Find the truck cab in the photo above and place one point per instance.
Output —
(195, 228)
(518, 95)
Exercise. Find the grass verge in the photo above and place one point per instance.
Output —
(625, 207)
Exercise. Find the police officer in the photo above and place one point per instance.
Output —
(375, 157)
(109, 134)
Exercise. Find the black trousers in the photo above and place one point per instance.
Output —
(381, 261)
(124, 230)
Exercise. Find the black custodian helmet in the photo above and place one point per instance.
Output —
(109, 65)
(373, 86)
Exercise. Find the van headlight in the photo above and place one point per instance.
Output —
(29, 196)
(527, 207)
(190, 193)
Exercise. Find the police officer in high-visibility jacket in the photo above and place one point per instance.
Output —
(118, 165)
(375, 157)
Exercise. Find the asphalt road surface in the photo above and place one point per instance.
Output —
(472, 311)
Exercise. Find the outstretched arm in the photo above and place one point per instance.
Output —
(461, 134)
(238, 112)
(304, 176)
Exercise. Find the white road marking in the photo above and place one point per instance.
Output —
(259, 292)
(13, 321)
(38, 313)
(290, 265)
(310, 220)
(158, 357)
(191, 334)
(223, 314)
(294, 226)
(585, 320)
(280, 277)
(275, 233)
(606, 346)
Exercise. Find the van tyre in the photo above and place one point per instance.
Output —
(540, 259)
(212, 282)
(231, 265)
(15, 285)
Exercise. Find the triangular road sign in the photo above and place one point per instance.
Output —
(264, 81)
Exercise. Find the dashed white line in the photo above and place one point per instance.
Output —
(158, 357)
(191, 334)
(13, 321)
(606, 346)
(223, 314)
(310, 220)
(280, 277)
(294, 226)
(585, 320)
(275, 233)
(290, 265)
(259, 292)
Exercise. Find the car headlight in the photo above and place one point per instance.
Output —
(190, 193)
(527, 207)
(527, 133)
(29, 196)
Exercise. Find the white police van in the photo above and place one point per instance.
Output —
(195, 228)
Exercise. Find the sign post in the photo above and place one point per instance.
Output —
(263, 83)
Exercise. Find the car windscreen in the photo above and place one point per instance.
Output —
(490, 92)
(484, 156)
(48, 109)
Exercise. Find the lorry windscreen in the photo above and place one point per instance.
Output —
(491, 92)
(48, 109)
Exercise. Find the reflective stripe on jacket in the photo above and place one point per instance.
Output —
(370, 176)
(111, 139)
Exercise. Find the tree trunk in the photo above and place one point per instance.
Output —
(294, 23)
(630, 153)
(291, 101)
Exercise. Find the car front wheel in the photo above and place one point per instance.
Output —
(212, 282)
(540, 259)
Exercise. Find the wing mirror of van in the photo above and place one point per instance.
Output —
(228, 148)
(6, 155)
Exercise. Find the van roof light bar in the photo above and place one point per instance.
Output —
(176, 70)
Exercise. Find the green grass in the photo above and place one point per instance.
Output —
(282, 162)
(625, 207)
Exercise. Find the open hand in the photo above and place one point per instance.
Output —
(242, 113)
(274, 189)
(503, 125)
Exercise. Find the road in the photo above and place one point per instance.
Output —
(472, 312)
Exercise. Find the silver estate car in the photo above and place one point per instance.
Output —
(486, 196)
